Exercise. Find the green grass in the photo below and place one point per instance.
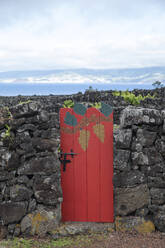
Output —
(30, 243)
(78, 241)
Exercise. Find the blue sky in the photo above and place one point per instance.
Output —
(51, 34)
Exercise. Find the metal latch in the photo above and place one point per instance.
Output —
(64, 160)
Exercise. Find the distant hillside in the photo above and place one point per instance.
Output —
(146, 75)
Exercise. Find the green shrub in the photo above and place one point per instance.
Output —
(7, 132)
(25, 102)
(131, 98)
(96, 105)
(68, 104)
(116, 93)
(8, 113)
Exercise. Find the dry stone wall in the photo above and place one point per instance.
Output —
(52, 103)
(30, 192)
(139, 165)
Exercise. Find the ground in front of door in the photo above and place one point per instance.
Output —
(104, 240)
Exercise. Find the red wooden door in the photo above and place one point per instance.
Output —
(87, 154)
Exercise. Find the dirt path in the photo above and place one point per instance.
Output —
(120, 240)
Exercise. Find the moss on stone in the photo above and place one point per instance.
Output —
(129, 224)
(146, 227)
(37, 220)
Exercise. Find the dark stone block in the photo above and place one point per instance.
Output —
(47, 190)
(157, 196)
(122, 138)
(142, 212)
(155, 208)
(40, 166)
(153, 155)
(134, 116)
(22, 138)
(43, 116)
(27, 147)
(22, 180)
(156, 182)
(160, 146)
(3, 232)
(145, 137)
(20, 193)
(127, 199)
(40, 144)
(129, 179)
(121, 160)
(11, 212)
(139, 158)
(11, 228)
(14, 161)
(4, 176)
(25, 109)
(16, 123)
(136, 146)
(43, 125)
(159, 221)
(32, 205)
(26, 127)
(5, 156)
(158, 168)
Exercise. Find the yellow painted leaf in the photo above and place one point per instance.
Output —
(99, 131)
(84, 139)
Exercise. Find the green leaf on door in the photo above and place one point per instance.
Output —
(79, 109)
(70, 119)
(106, 109)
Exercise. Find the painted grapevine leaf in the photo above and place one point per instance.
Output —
(106, 109)
(99, 131)
(70, 119)
(84, 139)
(79, 109)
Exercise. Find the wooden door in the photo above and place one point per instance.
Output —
(87, 163)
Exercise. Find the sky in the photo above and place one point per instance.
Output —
(64, 34)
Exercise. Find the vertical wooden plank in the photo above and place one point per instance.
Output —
(100, 181)
(67, 177)
(106, 151)
(93, 170)
(80, 166)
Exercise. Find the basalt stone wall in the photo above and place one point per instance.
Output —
(30, 192)
(53, 103)
(139, 165)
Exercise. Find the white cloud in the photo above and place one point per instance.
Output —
(72, 34)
